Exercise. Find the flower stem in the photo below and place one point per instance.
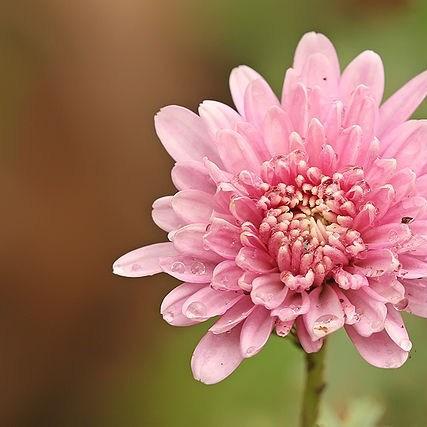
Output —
(314, 386)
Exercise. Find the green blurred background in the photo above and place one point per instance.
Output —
(79, 168)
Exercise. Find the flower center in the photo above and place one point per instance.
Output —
(308, 220)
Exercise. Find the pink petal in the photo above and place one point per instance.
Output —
(283, 328)
(255, 260)
(192, 175)
(325, 315)
(400, 106)
(396, 330)
(404, 183)
(412, 207)
(255, 331)
(416, 294)
(259, 98)
(208, 302)
(371, 313)
(171, 307)
(236, 153)
(232, 317)
(277, 127)
(143, 261)
(245, 209)
(366, 69)
(246, 279)
(294, 305)
(193, 205)
(377, 262)
(388, 287)
(184, 134)
(268, 290)
(378, 349)
(315, 140)
(216, 356)
(312, 43)
(387, 235)
(164, 216)
(189, 240)
(319, 71)
(223, 238)
(226, 276)
(187, 268)
(305, 340)
(406, 144)
(218, 116)
(412, 267)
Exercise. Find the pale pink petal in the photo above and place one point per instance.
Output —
(246, 279)
(259, 98)
(193, 205)
(378, 349)
(396, 330)
(312, 43)
(255, 260)
(143, 261)
(416, 295)
(412, 267)
(255, 138)
(256, 330)
(184, 134)
(208, 302)
(325, 315)
(235, 151)
(305, 339)
(268, 290)
(371, 313)
(366, 69)
(218, 116)
(240, 78)
(400, 106)
(387, 235)
(283, 328)
(223, 238)
(232, 317)
(388, 287)
(406, 144)
(189, 240)
(277, 127)
(245, 209)
(187, 268)
(404, 183)
(226, 276)
(413, 207)
(294, 305)
(192, 175)
(319, 71)
(377, 262)
(164, 216)
(171, 307)
(216, 356)
(316, 139)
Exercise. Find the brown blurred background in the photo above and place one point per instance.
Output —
(80, 166)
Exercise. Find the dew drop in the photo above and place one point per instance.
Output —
(250, 351)
(196, 309)
(136, 267)
(405, 345)
(198, 268)
(323, 324)
(178, 267)
(393, 237)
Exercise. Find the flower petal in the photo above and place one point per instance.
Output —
(164, 216)
(255, 260)
(218, 116)
(400, 106)
(193, 205)
(184, 134)
(268, 290)
(192, 175)
(378, 349)
(305, 339)
(395, 328)
(388, 287)
(366, 69)
(255, 331)
(226, 276)
(223, 238)
(143, 261)
(216, 356)
(416, 294)
(187, 268)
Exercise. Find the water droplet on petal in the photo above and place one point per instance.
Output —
(198, 268)
(168, 316)
(324, 324)
(136, 267)
(196, 309)
(405, 345)
(178, 267)
(250, 351)
(393, 237)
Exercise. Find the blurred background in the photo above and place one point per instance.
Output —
(80, 166)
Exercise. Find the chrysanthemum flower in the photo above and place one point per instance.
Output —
(301, 215)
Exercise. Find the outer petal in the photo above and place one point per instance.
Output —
(187, 268)
(216, 356)
(171, 307)
(378, 349)
(396, 330)
(223, 238)
(416, 294)
(184, 134)
(268, 290)
(312, 43)
(240, 78)
(255, 331)
(226, 276)
(143, 261)
(366, 69)
(218, 116)
(192, 175)
(193, 205)
(400, 106)
(164, 216)
(305, 340)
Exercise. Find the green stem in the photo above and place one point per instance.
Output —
(314, 386)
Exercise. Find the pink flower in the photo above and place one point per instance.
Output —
(307, 212)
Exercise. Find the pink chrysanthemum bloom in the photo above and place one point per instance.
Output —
(303, 215)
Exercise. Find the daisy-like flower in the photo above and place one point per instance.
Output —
(302, 215)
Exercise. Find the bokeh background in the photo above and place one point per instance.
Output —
(79, 168)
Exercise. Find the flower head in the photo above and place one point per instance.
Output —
(304, 215)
